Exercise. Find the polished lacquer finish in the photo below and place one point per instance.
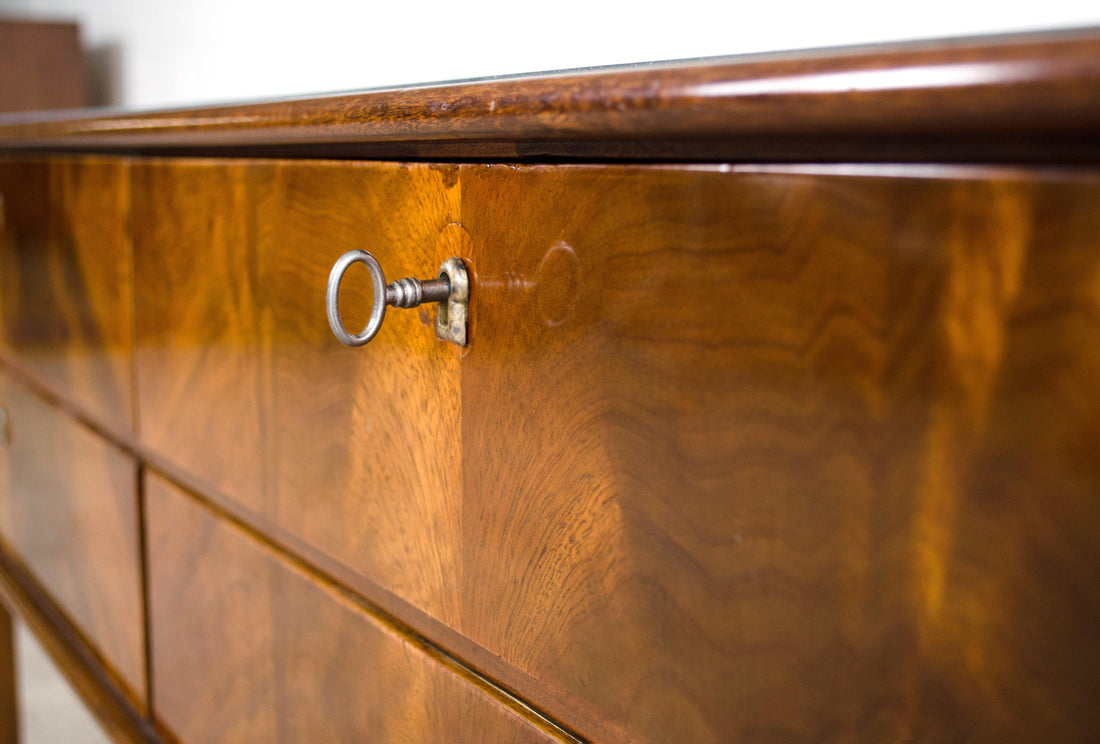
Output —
(197, 362)
(1027, 97)
(694, 478)
(278, 657)
(802, 466)
(66, 286)
(68, 510)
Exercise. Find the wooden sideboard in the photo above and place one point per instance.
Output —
(779, 418)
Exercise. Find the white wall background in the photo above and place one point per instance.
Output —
(164, 52)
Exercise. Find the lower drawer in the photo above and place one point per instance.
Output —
(246, 648)
(68, 510)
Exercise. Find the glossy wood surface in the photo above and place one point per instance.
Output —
(740, 453)
(376, 497)
(248, 648)
(788, 457)
(380, 488)
(66, 284)
(70, 514)
(1028, 97)
(197, 326)
(801, 453)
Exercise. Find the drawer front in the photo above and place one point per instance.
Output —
(247, 648)
(66, 285)
(232, 262)
(70, 513)
(788, 456)
(726, 454)
(365, 447)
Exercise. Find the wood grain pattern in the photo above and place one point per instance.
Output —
(803, 454)
(278, 657)
(66, 281)
(41, 66)
(380, 509)
(197, 338)
(258, 442)
(70, 514)
(739, 452)
(796, 457)
(1027, 97)
(364, 448)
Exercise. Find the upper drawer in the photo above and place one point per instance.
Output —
(726, 453)
(66, 279)
(68, 508)
(231, 271)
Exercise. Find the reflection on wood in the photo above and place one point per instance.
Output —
(365, 443)
(1026, 98)
(197, 337)
(719, 461)
(69, 511)
(731, 455)
(809, 457)
(66, 280)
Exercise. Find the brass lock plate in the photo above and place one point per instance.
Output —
(452, 317)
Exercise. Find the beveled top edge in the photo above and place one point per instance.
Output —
(1021, 97)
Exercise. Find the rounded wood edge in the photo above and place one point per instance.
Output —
(997, 98)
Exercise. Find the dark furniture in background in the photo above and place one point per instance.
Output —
(42, 66)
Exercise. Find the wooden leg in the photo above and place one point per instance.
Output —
(9, 708)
